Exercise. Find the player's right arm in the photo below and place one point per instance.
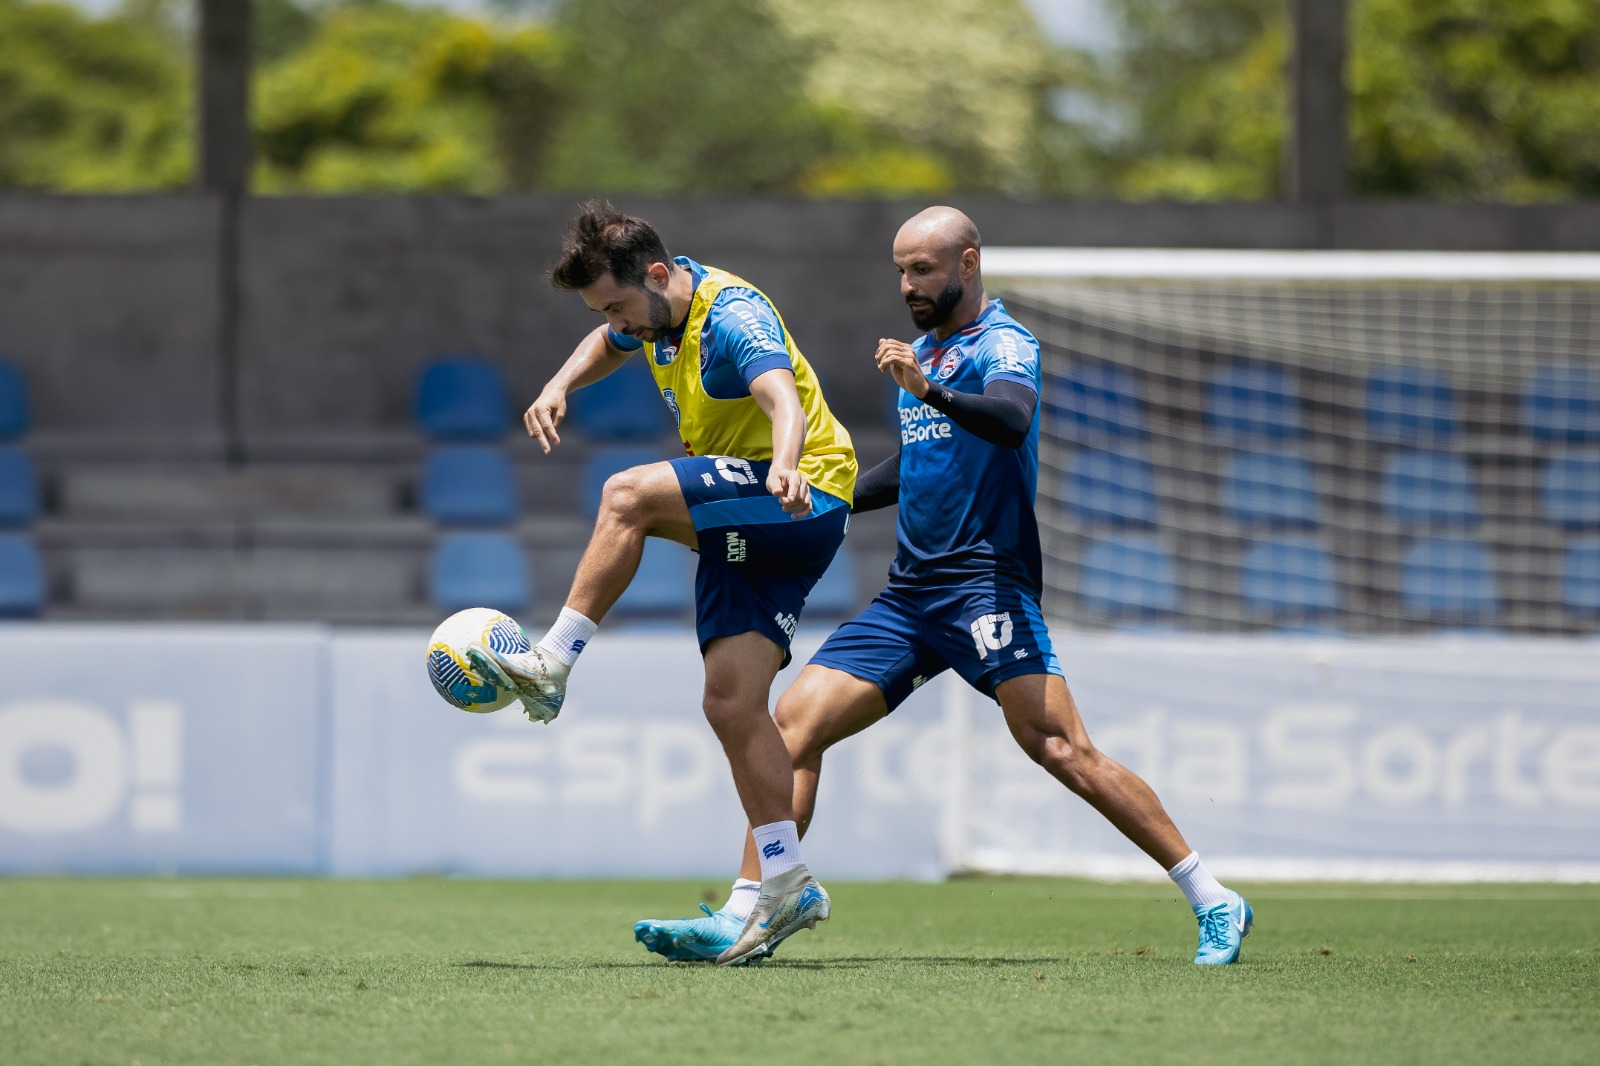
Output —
(878, 487)
(591, 360)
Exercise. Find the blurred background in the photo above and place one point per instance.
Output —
(272, 301)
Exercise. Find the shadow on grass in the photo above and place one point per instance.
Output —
(857, 962)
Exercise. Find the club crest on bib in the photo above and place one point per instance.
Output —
(672, 404)
(665, 353)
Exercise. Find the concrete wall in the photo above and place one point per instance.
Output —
(112, 308)
(109, 307)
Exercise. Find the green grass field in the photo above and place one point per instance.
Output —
(440, 971)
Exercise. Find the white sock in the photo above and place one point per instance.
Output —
(568, 636)
(1196, 882)
(778, 844)
(742, 900)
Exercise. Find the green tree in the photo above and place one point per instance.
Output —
(91, 105)
(927, 95)
(688, 97)
(383, 97)
(1476, 99)
(1449, 99)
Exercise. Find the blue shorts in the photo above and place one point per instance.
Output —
(986, 632)
(757, 564)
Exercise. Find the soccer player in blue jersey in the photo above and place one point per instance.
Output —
(763, 494)
(964, 587)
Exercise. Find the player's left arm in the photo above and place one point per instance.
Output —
(775, 391)
(1002, 414)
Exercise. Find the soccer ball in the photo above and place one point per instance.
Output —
(452, 674)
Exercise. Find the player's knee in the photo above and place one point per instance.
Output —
(622, 498)
(727, 713)
(800, 733)
(1071, 764)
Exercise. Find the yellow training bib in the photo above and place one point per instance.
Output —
(738, 427)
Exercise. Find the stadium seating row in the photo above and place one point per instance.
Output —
(1291, 580)
(1420, 489)
(465, 399)
(1102, 404)
(22, 584)
(469, 491)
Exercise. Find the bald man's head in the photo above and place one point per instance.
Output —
(938, 254)
(940, 228)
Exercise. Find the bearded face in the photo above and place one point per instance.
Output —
(931, 314)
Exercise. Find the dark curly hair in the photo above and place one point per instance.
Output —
(603, 240)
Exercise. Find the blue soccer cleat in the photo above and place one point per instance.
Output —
(789, 902)
(1223, 928)
(693, 939)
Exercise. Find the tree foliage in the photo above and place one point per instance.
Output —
(90, 105)
(1448, 99)
(1465, 99)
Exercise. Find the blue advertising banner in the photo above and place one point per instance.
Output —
(308, 750)
(161, 749)
(628, 781)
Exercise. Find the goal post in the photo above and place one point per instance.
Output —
(1338, 442)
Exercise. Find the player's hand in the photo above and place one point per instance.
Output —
(899, 360)
(544, 416)
(791, 489)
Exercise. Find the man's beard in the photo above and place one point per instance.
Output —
(938, 313)
(660, 318)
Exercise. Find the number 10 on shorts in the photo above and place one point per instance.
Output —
(991, 633)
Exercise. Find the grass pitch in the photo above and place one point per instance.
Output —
(439, 971)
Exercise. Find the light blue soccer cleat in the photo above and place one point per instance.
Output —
(789, 902)
(1223, 928)
(538, 679)
(693, 939)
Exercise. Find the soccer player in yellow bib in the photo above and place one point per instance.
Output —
(764, 496)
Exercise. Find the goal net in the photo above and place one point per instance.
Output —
(1399, 448)
(1344, 443)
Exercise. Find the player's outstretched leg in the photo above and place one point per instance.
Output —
(789, 902)
(1045, 723)
(643, 501)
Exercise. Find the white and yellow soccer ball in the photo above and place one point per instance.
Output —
(451, 672)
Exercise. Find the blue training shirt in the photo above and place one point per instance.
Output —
(742, 339)
(966, 506)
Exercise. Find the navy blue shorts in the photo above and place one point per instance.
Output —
(987, 633)
(757, 564)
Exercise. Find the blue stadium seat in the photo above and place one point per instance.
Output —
(1410, 405)
(1429, 489)
(1288, 577)
(1112, 488)
(19, 489)
(1569, 490)
(469, 485)
(1448, 579)
(603, 462)
(1580, 576)
(626, 405)
(834, 595)
(479, 570)
(664, 585)
(1128, 575)
(1253, 403)
(462, 399)
(13, 403)
(1270, 489)
(21, 577)
(1561, 402)
(1096, 404)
